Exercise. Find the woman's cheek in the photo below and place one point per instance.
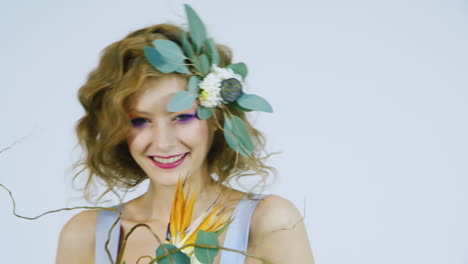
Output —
(194, 130)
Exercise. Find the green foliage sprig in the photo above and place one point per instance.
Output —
(197, 56)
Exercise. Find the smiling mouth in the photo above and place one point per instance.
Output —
(170, 159)
(168, 162)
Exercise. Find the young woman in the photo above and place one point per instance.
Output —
(130, 133)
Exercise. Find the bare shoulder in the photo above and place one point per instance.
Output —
(77, 238)
(278, 233)
(274, 213)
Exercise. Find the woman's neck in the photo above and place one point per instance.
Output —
(157, 202)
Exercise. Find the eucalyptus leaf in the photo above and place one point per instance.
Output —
(237, 106)
(196, 27)
(170, 51)
(212, 51)
(187, 46)
(157, 60)
(181, 101)
(254, 102)
(204, 112)
(193, 84)
(179, 257)
(183, 69)
(205, 63)
(206, 255)
(239, 68)
(240, 130)
(198, 66)
(231, 138)
(202, 64)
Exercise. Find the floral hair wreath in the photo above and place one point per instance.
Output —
(212, 85)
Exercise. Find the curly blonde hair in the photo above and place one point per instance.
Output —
(109, 93)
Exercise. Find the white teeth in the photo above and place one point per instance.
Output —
(169, 160)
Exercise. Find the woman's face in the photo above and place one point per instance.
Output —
(167, 145)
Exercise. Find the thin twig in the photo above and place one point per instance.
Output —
(51, 211)
(124, 242)
(207, 246)
(109, 233)
(13, 144)
(142, 257)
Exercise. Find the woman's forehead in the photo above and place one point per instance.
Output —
(156, 92)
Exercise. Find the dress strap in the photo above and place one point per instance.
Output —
(105, 220)
(237, 236)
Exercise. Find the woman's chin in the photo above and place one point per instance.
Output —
(167, 179)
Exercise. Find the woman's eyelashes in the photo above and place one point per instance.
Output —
(183, 118)
(139, 121)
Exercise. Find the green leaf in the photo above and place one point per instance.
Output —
(206, 255)
(220, 231)
(183, 69)
(212, 51)
(193, 84)
(202, 64)
(187, 46)
(181, 101)
(204, 112)
(196, 27)
(254, 102)
(231, 139)
(198, 66)
(170, 51)
(242, 133)
(239, 68)
(237, 106)
(237, 136)
(158, 61)
(205, 64)
(179, 257)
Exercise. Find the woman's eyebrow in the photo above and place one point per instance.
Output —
(138, 112)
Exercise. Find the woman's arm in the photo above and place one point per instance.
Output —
(77, 238)
(278, 233)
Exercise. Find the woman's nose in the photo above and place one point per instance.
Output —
(163, 137)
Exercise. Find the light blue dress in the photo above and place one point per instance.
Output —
(237, 236)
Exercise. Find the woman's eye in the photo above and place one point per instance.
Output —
(138, 122)
(185, 117)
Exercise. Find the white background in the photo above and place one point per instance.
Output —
(370, 102)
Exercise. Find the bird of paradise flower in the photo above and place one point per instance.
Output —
(182, 231)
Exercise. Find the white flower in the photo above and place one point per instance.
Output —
(210, 86)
